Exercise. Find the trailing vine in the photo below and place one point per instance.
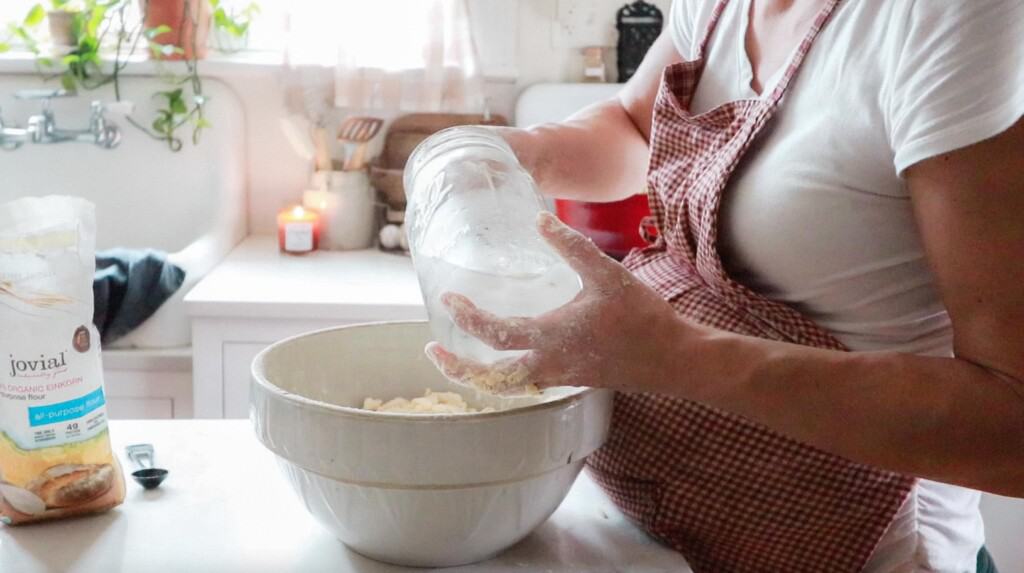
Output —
(99, 25)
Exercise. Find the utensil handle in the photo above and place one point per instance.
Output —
(323, 154)
(141, 460)
(356, 162)
(140, 454)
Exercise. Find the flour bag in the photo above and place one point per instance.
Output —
(55, 455)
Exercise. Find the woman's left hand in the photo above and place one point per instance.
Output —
(617, 333)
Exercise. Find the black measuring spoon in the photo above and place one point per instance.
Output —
(148, 476)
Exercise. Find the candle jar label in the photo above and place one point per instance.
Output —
(298, 237)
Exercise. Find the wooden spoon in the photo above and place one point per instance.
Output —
(358, 130)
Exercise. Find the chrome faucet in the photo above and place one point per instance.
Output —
(42, 128)
(12, 137)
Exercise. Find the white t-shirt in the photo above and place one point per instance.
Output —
(817, 214)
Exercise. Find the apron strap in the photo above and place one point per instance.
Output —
(805, 46)
(712, 24)
(794, 66)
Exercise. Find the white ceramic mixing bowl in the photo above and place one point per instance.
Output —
(433, 490)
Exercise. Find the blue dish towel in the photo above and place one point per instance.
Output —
(129, 286)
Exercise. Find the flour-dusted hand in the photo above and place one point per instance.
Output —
(617, 333)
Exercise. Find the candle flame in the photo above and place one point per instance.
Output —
(298, 211)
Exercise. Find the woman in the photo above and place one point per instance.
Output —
(825, 176)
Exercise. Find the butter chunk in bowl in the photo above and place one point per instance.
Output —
(430, 403)
(427, 489)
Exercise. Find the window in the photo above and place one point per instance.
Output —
(15, 10)
(12, 13)
(315, 27)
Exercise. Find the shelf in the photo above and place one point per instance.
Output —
(215, 65)
(256, 281)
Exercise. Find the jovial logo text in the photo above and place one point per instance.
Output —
(30, 368)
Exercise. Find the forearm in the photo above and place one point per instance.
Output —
(946, 419)
(598, 154)
(959, 420)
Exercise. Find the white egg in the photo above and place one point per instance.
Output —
(391, 236)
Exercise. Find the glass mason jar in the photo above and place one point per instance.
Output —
(471, 217)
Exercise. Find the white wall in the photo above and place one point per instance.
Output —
(552, 33)
(521, 42)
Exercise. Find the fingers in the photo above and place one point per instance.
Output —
(578, 251)
(452, 366)
(498, 333)
(498, 378)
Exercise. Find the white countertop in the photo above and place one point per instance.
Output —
(225, 507)
(257, 281)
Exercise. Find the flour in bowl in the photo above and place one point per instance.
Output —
(430, 403)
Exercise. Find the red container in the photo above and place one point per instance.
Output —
(614, 227)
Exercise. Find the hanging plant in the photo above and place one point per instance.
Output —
(86, 30)
(177, 30)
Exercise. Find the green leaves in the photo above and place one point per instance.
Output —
(175, 102)
(221, 20)
(234, 22)
(4, 47)
(197, 128)
(35, 16)
(152, 33)
(96, 16)
(175, 113)
(163, 122)
(21, 33)
(68, 81)
(158, 50)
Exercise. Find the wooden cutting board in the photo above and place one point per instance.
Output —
(402, 137)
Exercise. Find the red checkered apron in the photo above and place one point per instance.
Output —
(731, 495)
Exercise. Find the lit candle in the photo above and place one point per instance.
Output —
(298, 230)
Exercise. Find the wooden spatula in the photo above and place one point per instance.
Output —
(358, 130)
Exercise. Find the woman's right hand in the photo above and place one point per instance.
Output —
(617, 333)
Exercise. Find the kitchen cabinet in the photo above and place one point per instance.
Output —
(258, 296)
(148, 384)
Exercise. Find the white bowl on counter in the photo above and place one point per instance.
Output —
(413, 489)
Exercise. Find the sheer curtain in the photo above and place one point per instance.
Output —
(402, 55)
